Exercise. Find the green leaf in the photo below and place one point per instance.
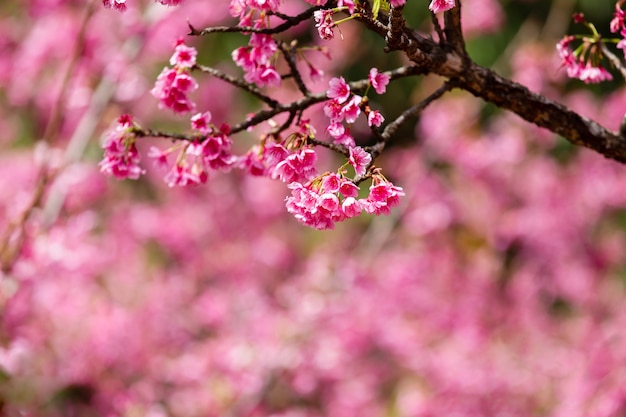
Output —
(385, 6)
(376, 8)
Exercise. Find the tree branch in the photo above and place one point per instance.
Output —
(239, 83)
(450, 62)
(288, 24)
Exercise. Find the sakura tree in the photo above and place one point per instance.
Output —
(338, 208)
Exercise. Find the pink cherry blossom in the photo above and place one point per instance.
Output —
(503, 267)
(315, 74)
(352, 109)
(345, 139)
(159, 156)
(269, 5)
(331, 183)
(119, 5)
(374, 118)
(184, 56)
(594, 74)
(339, 90)
(618, 23)
(297, 167)
(438, 6)
(237, 8)
(351, 207)
(317, 207)
(359, 159)
(378, 80)
(324, 24)
(121, 158)
(349, 189)
(263, 76)
(256, 60)
(171, 89)
(382, 197)
(200, 122)
(347, 3)
(336, 130)
(572, 64)
(333, 110)
(252, 163)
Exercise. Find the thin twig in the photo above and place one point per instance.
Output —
(284, 126)
(438, 29)
(615, 61)
(14, 235)
(239, 83)
(291, 22)
(412, 111)
(340, 149)
(58, 110)
(288, 54)
(308, 101)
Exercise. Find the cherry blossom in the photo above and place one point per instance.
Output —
(119, 5)
(382, 197)
(297, 167)
(256, 60)
(200, 122)
(325, 24)
(121, 158)
(594, 74)
(359, 159)
(378, 80)
(184, 56)
(318, 203)
(618, 23)
(338, 90)
(438, 6)
(374, 118)
(352, 109)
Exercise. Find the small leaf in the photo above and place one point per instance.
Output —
(385, 6)
(376, 8)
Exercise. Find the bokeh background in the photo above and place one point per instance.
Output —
(495, 289)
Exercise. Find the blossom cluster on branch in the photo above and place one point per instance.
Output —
(260, 60)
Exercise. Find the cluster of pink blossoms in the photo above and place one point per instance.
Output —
(316, 200)
(195, 160)
(584, 61)
(330, 198)
(256, 60)
(346, 106)
(618, 24)
(120, 5)
(174, 84)
(121, 158)
(239, 8)
(320, 201)
(324, 23)
(438, 6)
(576, 66)
(289, 160)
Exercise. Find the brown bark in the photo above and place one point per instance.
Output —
(449, 59)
